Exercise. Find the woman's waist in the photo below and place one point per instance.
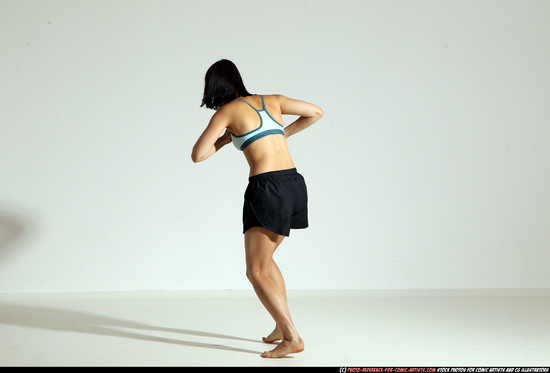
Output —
(270, 168)
(282, 174)
(269, 163)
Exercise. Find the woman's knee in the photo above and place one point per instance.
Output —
(260, 245)
(257, 272)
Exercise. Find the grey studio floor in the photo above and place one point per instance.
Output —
(223, 328)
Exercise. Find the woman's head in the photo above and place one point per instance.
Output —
(222, 84)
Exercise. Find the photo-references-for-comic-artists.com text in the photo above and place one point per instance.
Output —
(445, 370)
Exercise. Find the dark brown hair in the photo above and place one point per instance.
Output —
(222, 84)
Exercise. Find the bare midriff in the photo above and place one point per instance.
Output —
(269, 153)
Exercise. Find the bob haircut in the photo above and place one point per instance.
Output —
(222, 84)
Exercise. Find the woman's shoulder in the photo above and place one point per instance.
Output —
(255, 100)
(252, 99)
(276, 96)
(274, 99)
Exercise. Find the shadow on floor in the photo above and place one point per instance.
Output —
(14, 229)
(81, 322)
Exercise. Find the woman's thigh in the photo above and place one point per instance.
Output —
(260, 244)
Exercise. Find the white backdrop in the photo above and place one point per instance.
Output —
(430, 168)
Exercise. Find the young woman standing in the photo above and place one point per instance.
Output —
(276, 195)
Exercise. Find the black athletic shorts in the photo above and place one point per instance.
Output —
(277, 201)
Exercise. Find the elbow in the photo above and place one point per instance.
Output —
(317, 112)
(195, 157)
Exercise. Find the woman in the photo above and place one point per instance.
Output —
(276, 196)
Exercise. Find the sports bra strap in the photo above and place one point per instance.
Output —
(263, 103)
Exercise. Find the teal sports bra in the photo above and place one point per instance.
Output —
(268, 126)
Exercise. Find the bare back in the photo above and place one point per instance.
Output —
(270, 153)
(237, 118)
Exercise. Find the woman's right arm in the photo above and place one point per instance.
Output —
(307, 112)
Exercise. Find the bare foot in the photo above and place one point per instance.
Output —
(275, 335)
(284, 348)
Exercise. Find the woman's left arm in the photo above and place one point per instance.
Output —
(210, 141)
